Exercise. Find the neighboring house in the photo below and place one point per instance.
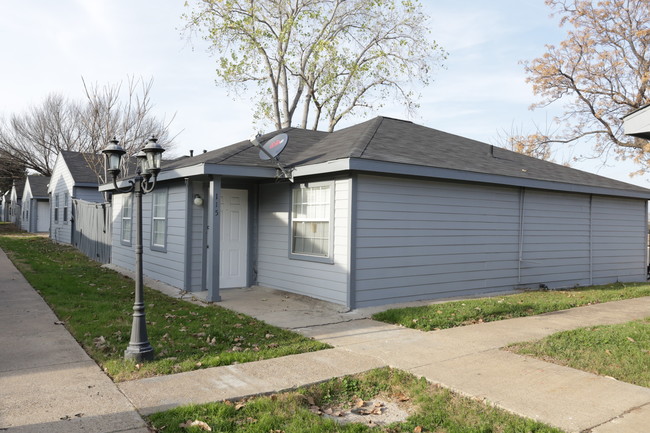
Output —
(35, 216)
(637, 123)
(4, 206)
(383, 212)
(15, 202)
(73, 177)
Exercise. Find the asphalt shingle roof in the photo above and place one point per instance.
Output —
(398, 141)
(80, 165)
(38, 185)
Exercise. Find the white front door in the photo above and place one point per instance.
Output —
(234, 238)
(43, 216)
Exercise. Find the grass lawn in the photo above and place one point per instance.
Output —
(471, 311)
(430, 409)
(619, 351)
(95, 305)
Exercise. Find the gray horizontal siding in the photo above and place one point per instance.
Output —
(167, 266)
(556, 239)
(274, 268)
(619, 249)
(418, 240)
(426, 239)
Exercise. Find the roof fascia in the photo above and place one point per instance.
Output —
(218, 170)
(206, 169)
(468, 176)
(358, 164)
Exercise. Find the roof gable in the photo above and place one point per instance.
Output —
(38, 185)
(82, 166)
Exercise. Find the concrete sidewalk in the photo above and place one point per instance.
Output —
(47, 382)
(467, 360)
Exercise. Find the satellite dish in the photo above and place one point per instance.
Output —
(274, 146)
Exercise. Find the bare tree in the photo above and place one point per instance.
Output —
(35, 138)
(600, 72)
(328, 58)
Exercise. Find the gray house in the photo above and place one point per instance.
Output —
(73, 177)
(36, 205)
(382, 212)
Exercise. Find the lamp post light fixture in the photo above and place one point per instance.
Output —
(148, 167)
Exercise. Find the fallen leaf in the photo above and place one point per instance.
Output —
(240, 405)
(359, 402)
(196, 423)
(310, 400)
(417, 429)
(402, 397)
(608, 352)
(631, 339)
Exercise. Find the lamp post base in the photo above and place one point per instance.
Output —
(139, 353)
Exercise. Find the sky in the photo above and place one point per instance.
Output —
(481, 93)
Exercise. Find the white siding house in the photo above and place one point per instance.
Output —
(72, 178)
(382, 212)
(36, 205)
(15, 202)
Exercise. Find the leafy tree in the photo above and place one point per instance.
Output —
(34, 138)
(600, 72)
(323, 58)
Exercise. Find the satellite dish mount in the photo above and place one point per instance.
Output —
(271, 149)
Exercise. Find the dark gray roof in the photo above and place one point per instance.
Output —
(396, 141)
(38, 185)
(81, 166)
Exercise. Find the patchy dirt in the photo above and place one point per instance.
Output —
(379, 411)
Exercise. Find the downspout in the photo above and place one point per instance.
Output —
(187, 279)
(591, 239)
(647, 241)
(352, 244)
(522, 196)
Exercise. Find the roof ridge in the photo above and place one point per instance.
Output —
(367, 136)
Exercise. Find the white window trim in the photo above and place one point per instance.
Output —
(154, 218)
(66, 196)
(56, 208)
(127, 198)
(330, 249)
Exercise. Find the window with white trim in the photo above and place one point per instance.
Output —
(65, 207)
(159, 220)
(56, 208)
(311, 220)
(127, 219)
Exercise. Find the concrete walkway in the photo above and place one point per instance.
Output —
(47, 383)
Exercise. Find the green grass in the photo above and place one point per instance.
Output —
(433, 410)
(619, 351)
(95, 305)
(472, 311)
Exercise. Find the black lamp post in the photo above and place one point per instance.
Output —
(149, 159)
